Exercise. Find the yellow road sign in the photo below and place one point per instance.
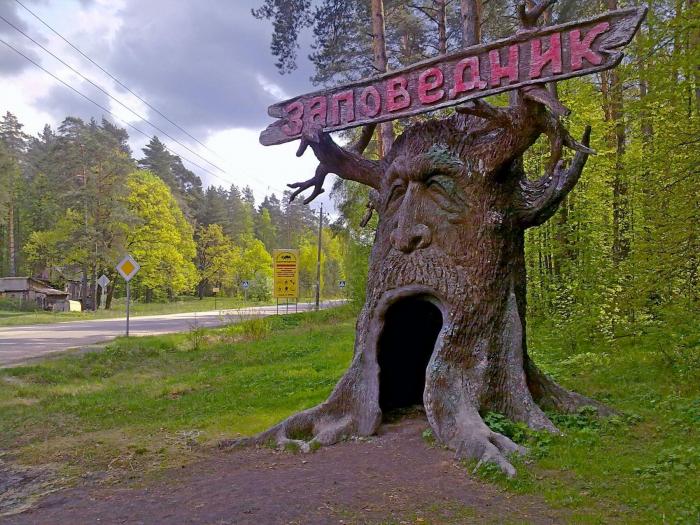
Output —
(286, 274)
(128, 268)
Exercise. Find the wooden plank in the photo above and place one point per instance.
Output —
(530, 57)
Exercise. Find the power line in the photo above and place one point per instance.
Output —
(112, 76)
(103, 90)
(108, 111)
(263, 184)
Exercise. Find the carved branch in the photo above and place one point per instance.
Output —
(346, 163)
(540, 199)
(541, 95)
(530, 17)
(483, 109)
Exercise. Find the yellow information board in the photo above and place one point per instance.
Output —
(286, 274)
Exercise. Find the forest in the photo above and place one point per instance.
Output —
(75, 200)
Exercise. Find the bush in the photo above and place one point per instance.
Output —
(15, 305)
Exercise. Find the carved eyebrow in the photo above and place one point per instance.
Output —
(423, 166)
(428, 166)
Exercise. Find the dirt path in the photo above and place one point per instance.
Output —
(392, 478)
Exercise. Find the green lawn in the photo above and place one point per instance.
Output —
(143, 404)
(14, 318)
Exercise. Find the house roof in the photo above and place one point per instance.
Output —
(25, 284)
(14, 284)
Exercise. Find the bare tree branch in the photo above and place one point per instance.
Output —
(346, 163)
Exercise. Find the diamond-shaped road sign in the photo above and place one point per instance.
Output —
(103, 281)
(128, 268)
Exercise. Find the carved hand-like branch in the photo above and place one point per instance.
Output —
(346, 163)
(540, 199)
(530, 17)
(541, 95)
(480, 108)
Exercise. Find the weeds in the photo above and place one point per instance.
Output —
(256, 329)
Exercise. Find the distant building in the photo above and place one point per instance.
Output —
(29, 289)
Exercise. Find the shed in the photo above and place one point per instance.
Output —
(29, 289)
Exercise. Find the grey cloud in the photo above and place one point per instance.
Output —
(199, 62)
(11, 63)
(61, 102)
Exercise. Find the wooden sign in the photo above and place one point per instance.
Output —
(530, 57)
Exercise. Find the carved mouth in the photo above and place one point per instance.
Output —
(408, 325)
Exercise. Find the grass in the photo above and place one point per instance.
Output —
(149, 403)
(184, 305)
(642, 466)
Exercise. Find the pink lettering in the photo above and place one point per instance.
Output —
(498, 71)
(581, 49)
(294, 124)
(397, 97)
(430, 80)
(348, 97)
(462, 86)
(539, 60)
(366, 108)
(317, 110)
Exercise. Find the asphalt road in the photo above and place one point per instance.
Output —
(22, 343)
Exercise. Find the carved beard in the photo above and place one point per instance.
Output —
(430, 268)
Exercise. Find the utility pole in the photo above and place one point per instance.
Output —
(318, 260)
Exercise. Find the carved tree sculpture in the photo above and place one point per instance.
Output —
(444, 320)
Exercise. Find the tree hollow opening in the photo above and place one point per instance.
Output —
(411, 328)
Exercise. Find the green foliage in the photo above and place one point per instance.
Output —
(77, 204)
(163, 240)
(8, 304)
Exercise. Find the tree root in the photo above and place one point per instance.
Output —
(486, 446)
(305, 430)
(549, 395)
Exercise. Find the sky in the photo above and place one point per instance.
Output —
(205, 64)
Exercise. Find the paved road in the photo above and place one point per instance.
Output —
(21, 343)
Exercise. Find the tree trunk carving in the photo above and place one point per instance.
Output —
(453, 203)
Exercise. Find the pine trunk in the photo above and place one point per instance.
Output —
(471, 22)
(441, 15)
(11, 251)
(611, 86)
(386, 130)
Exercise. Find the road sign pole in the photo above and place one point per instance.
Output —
(128, 300)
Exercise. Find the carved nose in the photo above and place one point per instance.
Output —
(415, 238)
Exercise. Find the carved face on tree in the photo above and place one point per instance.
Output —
(423, 198)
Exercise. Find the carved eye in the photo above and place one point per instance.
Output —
(396, 192)
(443, 191)
(441, 183)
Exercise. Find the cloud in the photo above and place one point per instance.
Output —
(61, 102)
(205, 64)
(12, 63)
